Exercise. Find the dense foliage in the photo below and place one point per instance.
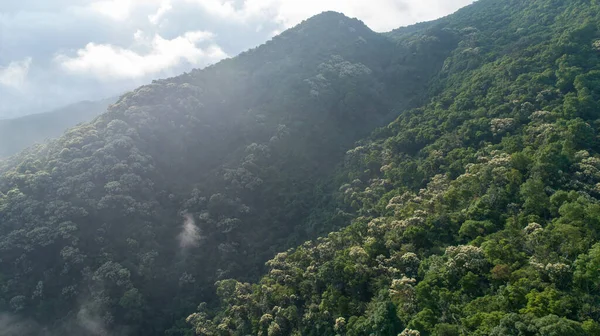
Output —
(476, 214)
(476, 211)
(20, 133)
(123, 225)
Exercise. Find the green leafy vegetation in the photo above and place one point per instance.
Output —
(124, 224)
(476, 214)
(440, 179)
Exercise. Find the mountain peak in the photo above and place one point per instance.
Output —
(331, 15)
(333, 20)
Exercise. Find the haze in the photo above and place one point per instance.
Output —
(54, 53)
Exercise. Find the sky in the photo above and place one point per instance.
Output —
(57, 52)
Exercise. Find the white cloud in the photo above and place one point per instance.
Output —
(121, 10)
(380, 15)
(115, 9)
(109, 62)
(15, 74)
(164, 8)
(138, 36)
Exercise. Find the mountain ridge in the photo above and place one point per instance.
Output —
(473, 214)
(196, 177)
(18, 133)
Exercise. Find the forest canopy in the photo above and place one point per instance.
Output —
(439, 179)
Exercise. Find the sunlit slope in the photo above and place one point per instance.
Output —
(475, 214)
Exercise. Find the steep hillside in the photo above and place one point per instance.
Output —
(20, 133)
(475, 214)
(122, 225)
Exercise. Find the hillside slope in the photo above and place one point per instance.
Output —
(475, 214)
(20, 133)
(123, 224)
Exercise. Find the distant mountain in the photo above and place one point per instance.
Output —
(19, 133)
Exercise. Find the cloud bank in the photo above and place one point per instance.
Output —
(108, 62)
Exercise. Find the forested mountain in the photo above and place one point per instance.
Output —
(474, 212)
(124, 224)
(20, 133)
